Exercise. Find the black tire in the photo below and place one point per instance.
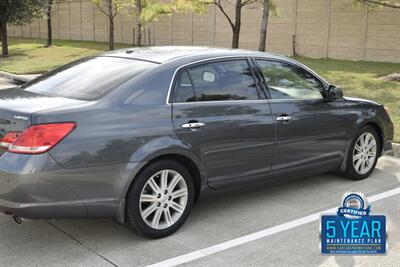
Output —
(133, 218)
(350, 171)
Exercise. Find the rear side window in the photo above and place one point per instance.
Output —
(184, 89)
(88, 78)
(218, 81)
(286, 81)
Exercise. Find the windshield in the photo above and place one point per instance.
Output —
(88, 78)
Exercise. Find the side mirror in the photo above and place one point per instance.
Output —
(334, 92)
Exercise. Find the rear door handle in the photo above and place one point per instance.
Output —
(193, 125)
(284, 118)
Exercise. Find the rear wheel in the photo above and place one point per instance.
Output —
(363, 154)
(160, 199)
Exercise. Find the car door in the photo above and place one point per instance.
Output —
(310, 130)
(219, 112)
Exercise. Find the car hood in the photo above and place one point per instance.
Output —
(362, 101)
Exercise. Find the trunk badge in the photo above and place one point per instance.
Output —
(19, 117)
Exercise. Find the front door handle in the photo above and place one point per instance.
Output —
(284, 118)
(193, 125)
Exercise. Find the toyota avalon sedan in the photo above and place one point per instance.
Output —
(139, 134)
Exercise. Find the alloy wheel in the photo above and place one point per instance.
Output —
(364, 153)
(163, 199)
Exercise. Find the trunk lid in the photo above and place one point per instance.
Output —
(17, 107)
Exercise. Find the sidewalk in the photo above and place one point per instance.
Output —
(5, 83)
(17, 79)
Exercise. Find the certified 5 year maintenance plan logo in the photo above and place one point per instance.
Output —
(353, 230)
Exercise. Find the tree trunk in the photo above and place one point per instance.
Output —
(111, 23)
(235, 37)
(238, 23)
(264, 26)
(138, 26)
(49, 31)
(4, 40)
(111, 35)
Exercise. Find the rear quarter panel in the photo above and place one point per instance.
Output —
(113, 144)
(119, 135)
(129, 127)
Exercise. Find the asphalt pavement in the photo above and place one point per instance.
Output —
(221, 217)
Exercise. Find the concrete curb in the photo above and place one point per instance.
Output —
(395, 150)
(17, 78)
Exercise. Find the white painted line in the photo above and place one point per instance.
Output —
(191, 256)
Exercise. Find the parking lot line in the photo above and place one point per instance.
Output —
(194, 255)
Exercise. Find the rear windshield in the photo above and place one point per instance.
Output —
(88, 78)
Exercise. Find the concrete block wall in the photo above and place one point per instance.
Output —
(347, 33)
(311, 28)
(383, 34)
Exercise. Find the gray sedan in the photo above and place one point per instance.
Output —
(139, 134)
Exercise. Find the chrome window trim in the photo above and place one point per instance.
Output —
(297, 64)
(304, 68)
(167, 101)
(224, 101)
(275, 100)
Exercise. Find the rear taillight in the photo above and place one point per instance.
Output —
(8, 139)
(37, 139)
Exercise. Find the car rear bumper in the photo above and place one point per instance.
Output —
(36, 187)
(68, 209)
(44, 210)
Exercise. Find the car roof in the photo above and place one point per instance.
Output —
(177, 56)
(164, 54)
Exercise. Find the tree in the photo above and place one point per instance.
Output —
(48, 6)
(386, 3)
(146, 11)
(110, 9)
(17, 12)
(264, 25)
(138, 25)
(268, 7)
(237, 22)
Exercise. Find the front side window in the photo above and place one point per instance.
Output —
(88, 78)
(286, 81)
(218, 81)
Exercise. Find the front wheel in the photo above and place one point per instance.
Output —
(363, 154)
(160, 199)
